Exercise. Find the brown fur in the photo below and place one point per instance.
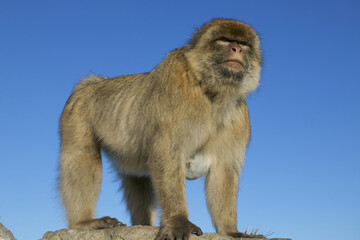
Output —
(184, 119)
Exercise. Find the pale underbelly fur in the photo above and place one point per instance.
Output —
(195, 167)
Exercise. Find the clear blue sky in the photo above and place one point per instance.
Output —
(302, 173)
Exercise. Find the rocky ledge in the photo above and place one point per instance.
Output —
(126, 233)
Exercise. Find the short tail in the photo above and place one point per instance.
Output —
(92, 79)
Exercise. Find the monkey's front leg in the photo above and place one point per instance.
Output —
(221, 195)
(168, 176)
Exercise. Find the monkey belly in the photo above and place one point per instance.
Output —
(125, 164)
(197, 166)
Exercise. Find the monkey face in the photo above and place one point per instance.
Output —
(235, 50)
(230, 58)
(227, 50)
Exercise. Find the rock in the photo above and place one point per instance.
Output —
(5, 234)
(126, 233)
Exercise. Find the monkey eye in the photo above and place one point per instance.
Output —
(223, 40)
(244, 43)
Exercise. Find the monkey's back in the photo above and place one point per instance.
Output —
(123, 114)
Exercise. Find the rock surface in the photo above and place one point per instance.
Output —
(5, 234)
(125, 233)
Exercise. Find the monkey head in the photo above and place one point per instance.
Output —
(226, 52)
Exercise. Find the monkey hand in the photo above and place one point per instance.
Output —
(244, 235)
(177, 228)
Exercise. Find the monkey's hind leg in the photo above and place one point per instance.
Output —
(80, 178)
(140, 198)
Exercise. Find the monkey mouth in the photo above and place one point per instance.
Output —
(234, 65)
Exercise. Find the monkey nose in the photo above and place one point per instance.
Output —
(235, 49)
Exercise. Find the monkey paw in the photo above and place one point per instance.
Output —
(101, 223)
(177, 227)
(244, 235)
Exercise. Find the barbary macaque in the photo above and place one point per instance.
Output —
(185, 119)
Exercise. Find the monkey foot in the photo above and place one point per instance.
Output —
(101, 223)
(177, 228)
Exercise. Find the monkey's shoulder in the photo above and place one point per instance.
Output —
(95, 82)
(127, 77)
